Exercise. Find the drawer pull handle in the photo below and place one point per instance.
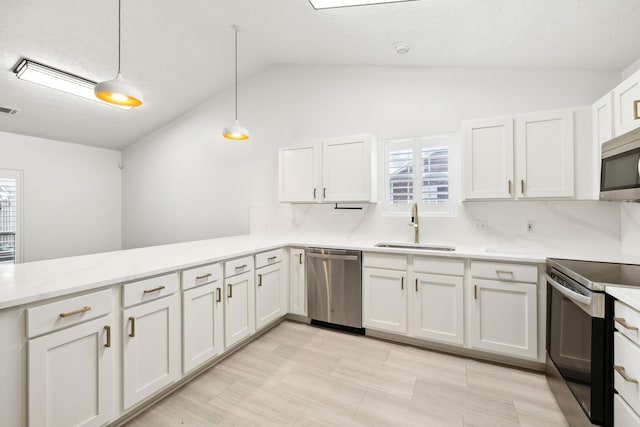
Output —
(624, 323)
(150, 291)
(108, 330)
(204, 276)
(272, 258)
(218, 295)
(230, 292)
(75, 312)
(132, 333)
(241, 267)
(259, 279)
(498, 272)
(621, 371)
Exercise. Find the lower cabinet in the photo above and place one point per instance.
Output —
(438, 309)
(297, 283)
(70, 374)
(270, 304)
(240, 309)
(202, 328)
(151, 348)
(384, 299)
(503, 318)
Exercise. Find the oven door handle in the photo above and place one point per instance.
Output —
(575, 296)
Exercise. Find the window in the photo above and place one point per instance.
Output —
(419, 170)
(9, 217)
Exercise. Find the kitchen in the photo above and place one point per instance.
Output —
(158, 196)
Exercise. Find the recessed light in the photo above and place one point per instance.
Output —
(328, 4)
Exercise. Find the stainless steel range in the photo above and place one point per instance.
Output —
(580, 334)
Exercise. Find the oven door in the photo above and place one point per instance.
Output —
(576, 345)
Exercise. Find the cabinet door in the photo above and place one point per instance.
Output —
(203, 336)
(488, 159)
(544, 152)
(384, 300)
(240, 310)
(269, 291)
(70, 375)
(626, 110)
(503, 318)
(438, 308)
(297, 283)
(602, 117)
(346, 169)
(151, 348)
(299, 168)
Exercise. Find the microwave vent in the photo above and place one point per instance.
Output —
(6, 110)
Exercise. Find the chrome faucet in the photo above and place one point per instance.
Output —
(415, 223)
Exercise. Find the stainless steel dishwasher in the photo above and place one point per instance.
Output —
(334, 283)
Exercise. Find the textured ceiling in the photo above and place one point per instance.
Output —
(180, 53)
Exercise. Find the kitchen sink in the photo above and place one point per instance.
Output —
(416, 246)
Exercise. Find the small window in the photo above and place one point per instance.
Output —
(10, 217)
(419, 170)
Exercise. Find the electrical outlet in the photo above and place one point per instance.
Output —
(480, 225)
(531, 227)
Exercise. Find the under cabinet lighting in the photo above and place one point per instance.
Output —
(56, 79)
(328, 4)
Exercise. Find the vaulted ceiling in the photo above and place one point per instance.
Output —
(180, 53)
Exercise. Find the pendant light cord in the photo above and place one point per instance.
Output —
(119, 32)
(236, 30)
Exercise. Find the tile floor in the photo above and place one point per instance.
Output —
(298, 375)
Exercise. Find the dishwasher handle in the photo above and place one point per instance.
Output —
(337, 257)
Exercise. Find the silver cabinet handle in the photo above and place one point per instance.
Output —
(504, 272)
(624, 323)
(621, 371)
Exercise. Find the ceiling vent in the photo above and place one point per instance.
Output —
(5, 110)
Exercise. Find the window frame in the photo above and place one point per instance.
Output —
(417, 144)
(18, 176)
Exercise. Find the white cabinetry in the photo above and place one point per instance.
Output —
(503, 310)
(438, 304)
(271, 293)
(70, 371)
(544, 159)
(602, 131)
(626, 98)
(297, 283)
(240, 308)
(202, 315)
(334, 170)
(151, 337)
(626, 365)
(384, 293)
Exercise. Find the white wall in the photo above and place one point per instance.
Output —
(186, 182)
(71, 196)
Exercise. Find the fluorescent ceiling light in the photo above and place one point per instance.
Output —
(327, 4)
(56, 79)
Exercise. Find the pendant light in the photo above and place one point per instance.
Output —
(235, 131)
(117, 91)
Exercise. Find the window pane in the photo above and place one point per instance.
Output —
(400, 170)
(435, 175)
(7, 220)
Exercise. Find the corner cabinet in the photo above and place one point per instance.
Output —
(542, 145)
(503, 309)
(333, 170)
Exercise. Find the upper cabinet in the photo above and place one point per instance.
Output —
(533, 159)
(334, 170)
(626, 105)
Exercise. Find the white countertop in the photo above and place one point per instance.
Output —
(36, 281)
(629, 296)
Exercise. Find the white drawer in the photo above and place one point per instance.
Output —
(626, 357)
(451, 267)
(623, 415)
(149, 289)
(60, 314)
(378, 260)
(505, 271)
(238, 266)
(201, 275)
(627, 321)
(270, 257)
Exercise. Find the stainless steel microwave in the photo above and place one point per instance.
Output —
(620, 170)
